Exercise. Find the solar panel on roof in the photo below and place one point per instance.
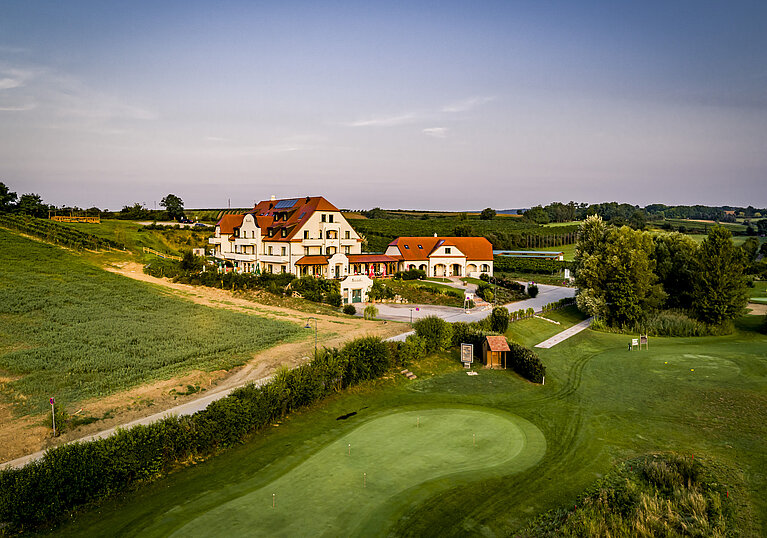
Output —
(284, 204)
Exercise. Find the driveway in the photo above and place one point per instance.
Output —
(403, 312)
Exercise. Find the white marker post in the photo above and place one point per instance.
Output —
(274, 499)
(418, 423)
(474, 439)
(350, 449)
(364, 480)
(53, 416)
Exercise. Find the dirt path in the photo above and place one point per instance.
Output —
(24, 435)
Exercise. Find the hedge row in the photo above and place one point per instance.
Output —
(526, 363)
(69, 476)
(507, 264)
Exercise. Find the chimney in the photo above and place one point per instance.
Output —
(272, 198)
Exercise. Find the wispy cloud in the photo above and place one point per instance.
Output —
(466, 104)
(385, 121)
(436, 132)
(17, 108)
(14, 78)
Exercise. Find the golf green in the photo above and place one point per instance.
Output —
(354, 481)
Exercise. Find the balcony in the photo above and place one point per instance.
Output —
(236, 256)
(312, 242)
(273, 258)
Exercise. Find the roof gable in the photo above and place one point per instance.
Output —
(474, 248)
(289, 214)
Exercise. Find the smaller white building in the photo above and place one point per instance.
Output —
(443, 256)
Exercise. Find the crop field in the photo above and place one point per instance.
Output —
(703, 397)
(73, 330)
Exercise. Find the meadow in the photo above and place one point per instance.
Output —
(601, 405)
(72, 330)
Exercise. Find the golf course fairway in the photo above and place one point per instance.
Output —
(352, 484)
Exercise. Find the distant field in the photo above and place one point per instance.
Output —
(73, 330)
(759, 292)
(569, 223)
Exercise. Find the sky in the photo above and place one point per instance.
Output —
(429, 105)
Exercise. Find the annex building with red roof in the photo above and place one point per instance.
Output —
(443, 256)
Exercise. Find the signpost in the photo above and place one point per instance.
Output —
(53, 415)
(467, 355)
(643, 339)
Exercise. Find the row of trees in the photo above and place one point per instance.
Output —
(626, 275)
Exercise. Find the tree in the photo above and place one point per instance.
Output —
(487, 214)
(499, 319)
(537, 214)
(134, 212)
(32, 204)
(7, 199)
(463, 230)
(720, 288)
(675, 264)
(174, 206)
(614, 272)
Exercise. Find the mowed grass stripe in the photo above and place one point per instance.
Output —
(72, 330)
(328, 494)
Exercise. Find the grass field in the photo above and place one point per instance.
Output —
(72, 330)
(600, 405)
(130, 234)
(758, 293)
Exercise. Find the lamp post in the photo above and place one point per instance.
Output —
(309, 326)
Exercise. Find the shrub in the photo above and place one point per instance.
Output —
(350, 309)
(435, 331)
(412, 349)
(370, 312)
(532, 290)
(526, 363)
(366, 358)
(499, 320)
(410, 274)
(379, 291)
(484, 277)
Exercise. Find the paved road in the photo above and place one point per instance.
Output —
(402, 312)
(564, 335)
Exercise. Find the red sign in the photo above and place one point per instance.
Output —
(52, 401)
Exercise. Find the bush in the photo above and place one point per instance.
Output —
(526, 363)
(437, 333)
(532, 290)
(350, 310)
(499, 320)
(410, 274)
(412, 349)
(379, 291)
(370, 312)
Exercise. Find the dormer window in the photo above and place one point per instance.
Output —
(420, 247)
(447, 250)
(271, 232)
(407, 247)
(284, 232)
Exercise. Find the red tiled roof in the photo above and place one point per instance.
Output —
(475, 248)
(370, 258)
(312, 260)
(229, 222)
(297, 213)
(497, 343)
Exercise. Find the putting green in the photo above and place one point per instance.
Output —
(392, 457)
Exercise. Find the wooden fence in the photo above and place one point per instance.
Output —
(161, 255)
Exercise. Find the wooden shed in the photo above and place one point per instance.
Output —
(494, 350)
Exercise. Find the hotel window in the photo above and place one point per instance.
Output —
(270, 251)
(346, 250)
(447, 250)
(322, 218)
(306, 234)
(306, 251)
(348, 234)
(330, 218)
(284, 251)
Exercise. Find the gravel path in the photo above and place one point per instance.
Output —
(564, 335)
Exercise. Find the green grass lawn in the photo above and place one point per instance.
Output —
(759, 292)
(600, 405)
(568, 250)
(72, 330)
(532, 331)
(414, 291)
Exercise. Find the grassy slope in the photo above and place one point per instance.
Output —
(75, 331)
(127, 232)
(601, 404)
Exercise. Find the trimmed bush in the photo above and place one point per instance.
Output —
(437, 333)
(532, 290)
(499, 320)
(410, 274)
(526, 363)
(350, 310)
